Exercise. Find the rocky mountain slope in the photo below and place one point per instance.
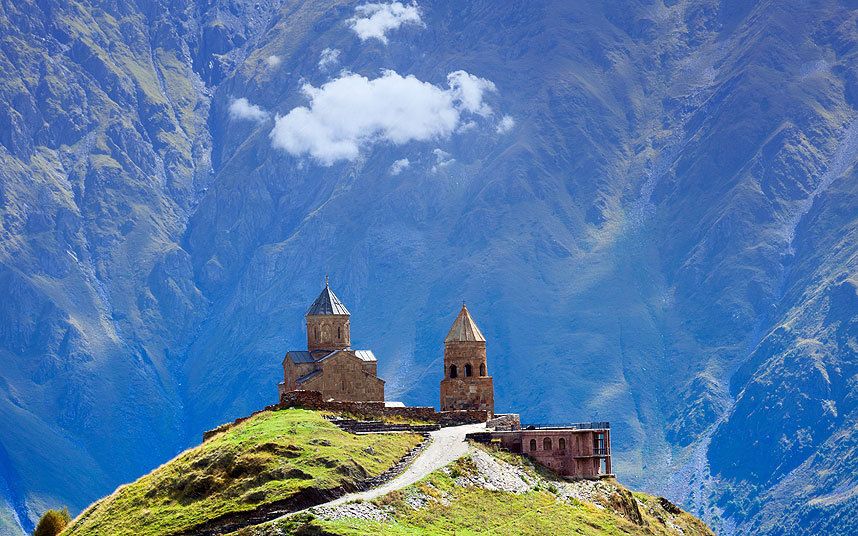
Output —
(650, 210)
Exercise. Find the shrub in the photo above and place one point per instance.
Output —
(52, 522)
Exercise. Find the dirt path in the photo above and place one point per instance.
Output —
(448, 445)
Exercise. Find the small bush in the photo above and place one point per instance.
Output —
(52, 522)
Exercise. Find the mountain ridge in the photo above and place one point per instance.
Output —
(654, 242)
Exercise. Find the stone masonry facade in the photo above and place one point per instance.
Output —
(329, 365)
(329, 375)
(580, 450)
(466, 384)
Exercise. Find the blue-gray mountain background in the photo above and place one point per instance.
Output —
(667, 238)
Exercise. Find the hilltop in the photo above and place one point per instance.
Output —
(288, 460)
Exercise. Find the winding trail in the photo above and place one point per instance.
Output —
(446, 446)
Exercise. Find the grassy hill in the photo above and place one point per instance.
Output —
(272, 457)
(297, 459)
(495, 492)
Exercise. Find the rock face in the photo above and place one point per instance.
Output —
(664, 239)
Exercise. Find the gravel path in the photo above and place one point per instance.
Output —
(448, 445)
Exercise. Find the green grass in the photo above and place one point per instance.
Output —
(480, 511)
(270, 457)
(464, 510)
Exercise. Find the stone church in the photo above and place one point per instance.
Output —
(329, 364)
(331, 367)
(466, 384)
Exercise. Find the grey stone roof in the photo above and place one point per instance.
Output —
(464, 329)
(327, 304)
(306, 377)
(300, 356)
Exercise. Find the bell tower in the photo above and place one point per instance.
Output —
(328, 326)
(466, 384)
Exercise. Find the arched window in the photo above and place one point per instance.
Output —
(532, 444)
(316, 330)
(468, 370)
(482, 369)
(546, 443)
(453, 372)
(561, 444)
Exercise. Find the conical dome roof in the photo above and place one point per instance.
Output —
(327, 304)
(464, 329)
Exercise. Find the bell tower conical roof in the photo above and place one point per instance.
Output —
(327, 303)
(464, 329)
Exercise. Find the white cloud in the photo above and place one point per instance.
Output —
(505, 125)
(273, 60)
(329, 58)
(352, 112)
(242, 109)
(468, 90)
(374, 21)
(397, 167)
(442, 160)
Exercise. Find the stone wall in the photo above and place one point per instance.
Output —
(466, 384)
(315, 400)
(328, 332)
(467, 394)
(504, 421)
(344, 376)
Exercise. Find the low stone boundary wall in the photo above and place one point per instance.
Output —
(504, 421)
(315, 400)
(374, 427)
(397, 468)
(367, 410)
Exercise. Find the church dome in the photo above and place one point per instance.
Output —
(327, 304)
(464, 329)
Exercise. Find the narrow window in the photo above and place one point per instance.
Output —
(599, 444)
(546, 443)
(532, 444)
(561, 444)
(468, 370)
(316, 331)
(339, 337)
(482, 369)
(453, 372)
